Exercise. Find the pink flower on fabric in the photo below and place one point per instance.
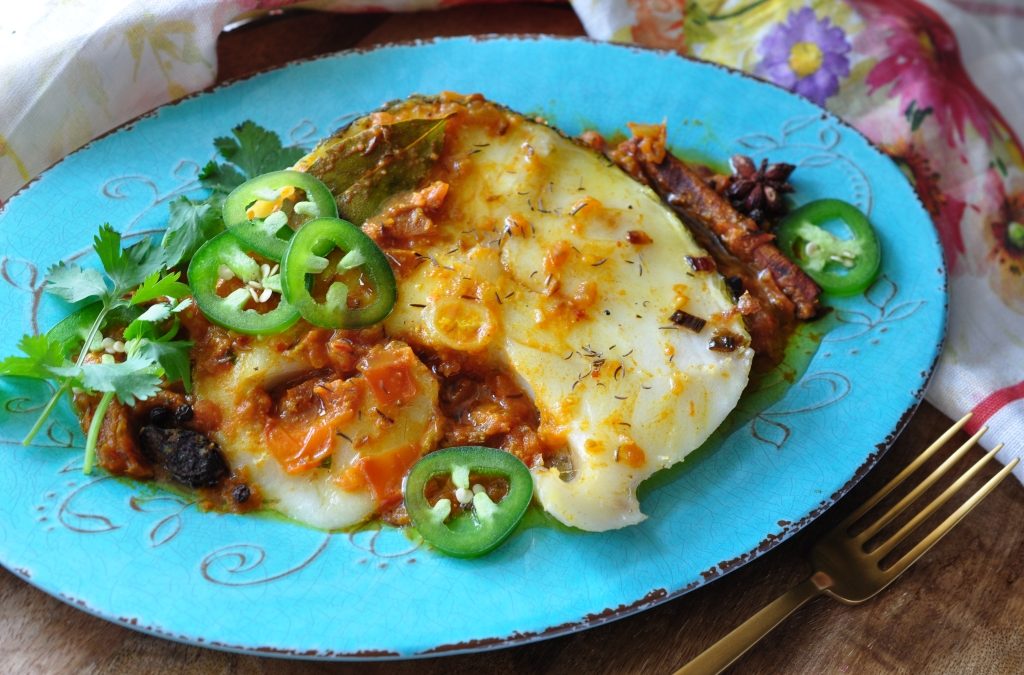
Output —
(806, 55)
(922, 63)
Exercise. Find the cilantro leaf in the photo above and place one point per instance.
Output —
(221, 178)
(126, 267)
(155, 287)
(145, 325)
(256, 150)
(139, 329)
(155, 313)
(132, 379)
(173, 357)
(191, 224)
(74, 283)
(41, 354)
(71, 331)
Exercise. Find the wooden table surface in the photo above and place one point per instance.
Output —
(960, 610)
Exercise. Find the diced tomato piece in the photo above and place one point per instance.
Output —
(389, 373)
(384, 472)
(300, 448)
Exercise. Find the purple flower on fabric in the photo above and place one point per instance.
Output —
(806, 55)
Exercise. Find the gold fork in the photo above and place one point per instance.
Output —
(844, 568)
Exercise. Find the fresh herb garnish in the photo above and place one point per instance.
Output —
(156, 286)
(131, 276)
(252, 152)
(191, 223)
(137, 291)
(41, 354)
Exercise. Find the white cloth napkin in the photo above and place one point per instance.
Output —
(989, 381)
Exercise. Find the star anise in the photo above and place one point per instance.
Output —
(758, 191)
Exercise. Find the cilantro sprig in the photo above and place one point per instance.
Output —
(139, 291)
(131, 276)
(253, 150)
(249, 152)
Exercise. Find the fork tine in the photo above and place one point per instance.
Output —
(951, 520)
(911, 497)
(893, 541)
(911, 468)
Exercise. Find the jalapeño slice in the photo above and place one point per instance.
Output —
(841, 266)
(306, 269)
(224, 258)
(263, 212)
(479, 524)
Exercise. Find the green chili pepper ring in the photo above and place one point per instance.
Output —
(203, 273)
(305, 255)
(487, 525)
(262, 235)
(839, 266)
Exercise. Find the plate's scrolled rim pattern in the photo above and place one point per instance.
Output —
(653, 597)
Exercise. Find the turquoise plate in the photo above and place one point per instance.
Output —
(151, 560)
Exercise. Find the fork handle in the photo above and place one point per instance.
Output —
(720, 655)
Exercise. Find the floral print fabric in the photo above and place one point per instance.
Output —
(892, 68)
(806, 55)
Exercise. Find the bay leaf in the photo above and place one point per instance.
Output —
(363, 167)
